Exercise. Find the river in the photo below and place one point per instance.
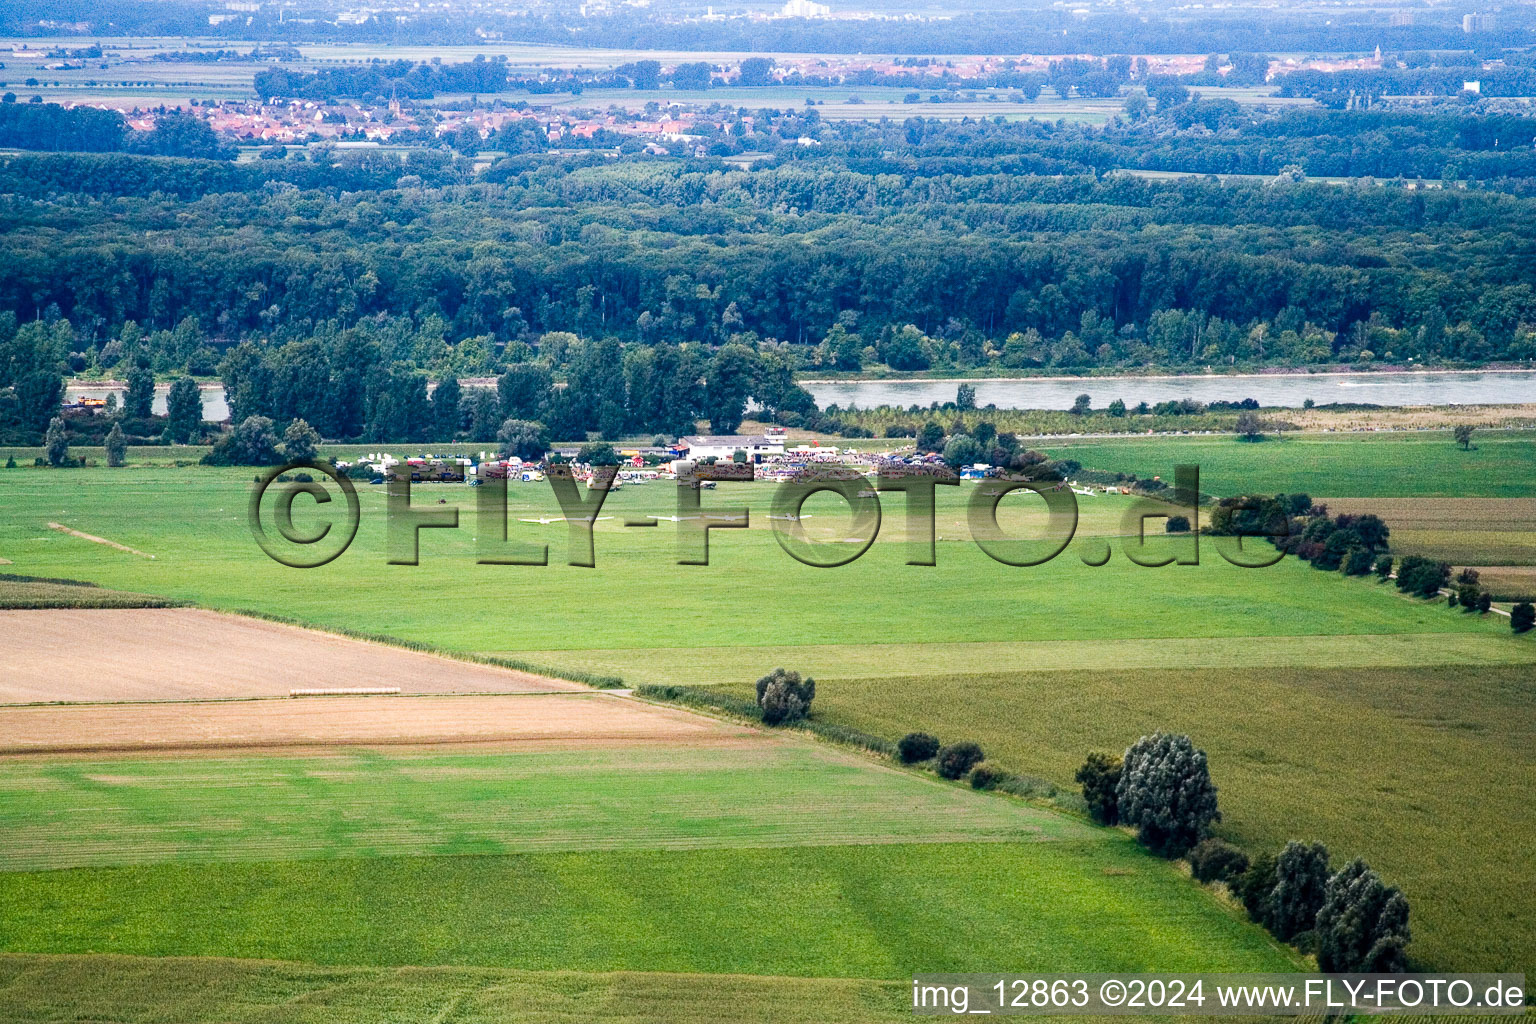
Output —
(1289, 390)
(1281, 390)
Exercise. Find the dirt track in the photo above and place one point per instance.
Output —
(314, 722)
(190, 654)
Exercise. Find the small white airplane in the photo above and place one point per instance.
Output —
(791, 519)
(562, 519)
(671, 519)
(1083, 490)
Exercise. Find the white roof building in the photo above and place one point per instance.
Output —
(725, 446)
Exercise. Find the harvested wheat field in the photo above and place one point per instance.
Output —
(320, 722)
(137, 654)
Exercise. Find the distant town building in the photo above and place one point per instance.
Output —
(805, 9)
(1476, 87)
(1478, 22)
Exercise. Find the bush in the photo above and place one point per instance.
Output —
(1422, 576)
(1165, 790)
(1301, 877)
(1213, 860)
(1484, 602)
(1100, 777)
(955, 760)
(1256, 886)
(984, 776)
(252, 443)
(784, 697)
(1384, 566)
(1466, 596)
(916, 746)
(1176, 524)
(1362, 925)
(1522, 617)
(1357, 562)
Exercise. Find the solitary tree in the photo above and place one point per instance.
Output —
(930, 438)
(1362, 925)
(965, 397)
(1249, 426)
(117, 446)
(598, 453)
(784, 696)
(56, 442)
(1081, 405)
(300, 442)
(525, 439)
(1522, 617)
(1100, 776)
(1165, 790)
(183, 410)
(1384, 566)
(1463, 435)
(447, 409)
(140, 398)
(1301, 875)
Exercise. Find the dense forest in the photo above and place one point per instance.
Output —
(54, 128)
(628, 293)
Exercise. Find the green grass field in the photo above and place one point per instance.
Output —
(1332, 708)
(624, 878)
(882, 911)
(72, 813)
(637, 597)
(1416, 769)
(1424, 464)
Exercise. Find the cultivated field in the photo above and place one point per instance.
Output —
(1486, 533)
(311, 722)
(190, 654)
(17, 592)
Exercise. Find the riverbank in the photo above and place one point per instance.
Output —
(989, 375)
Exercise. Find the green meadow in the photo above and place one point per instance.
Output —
(193, 522)
(1428, 464)
(69, 813)
(529, 885)
(1332, 708)
(875, 911)
(1418, 769)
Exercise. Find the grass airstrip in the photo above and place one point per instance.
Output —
(1332, 708)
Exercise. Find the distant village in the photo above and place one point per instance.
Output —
(683, 118)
